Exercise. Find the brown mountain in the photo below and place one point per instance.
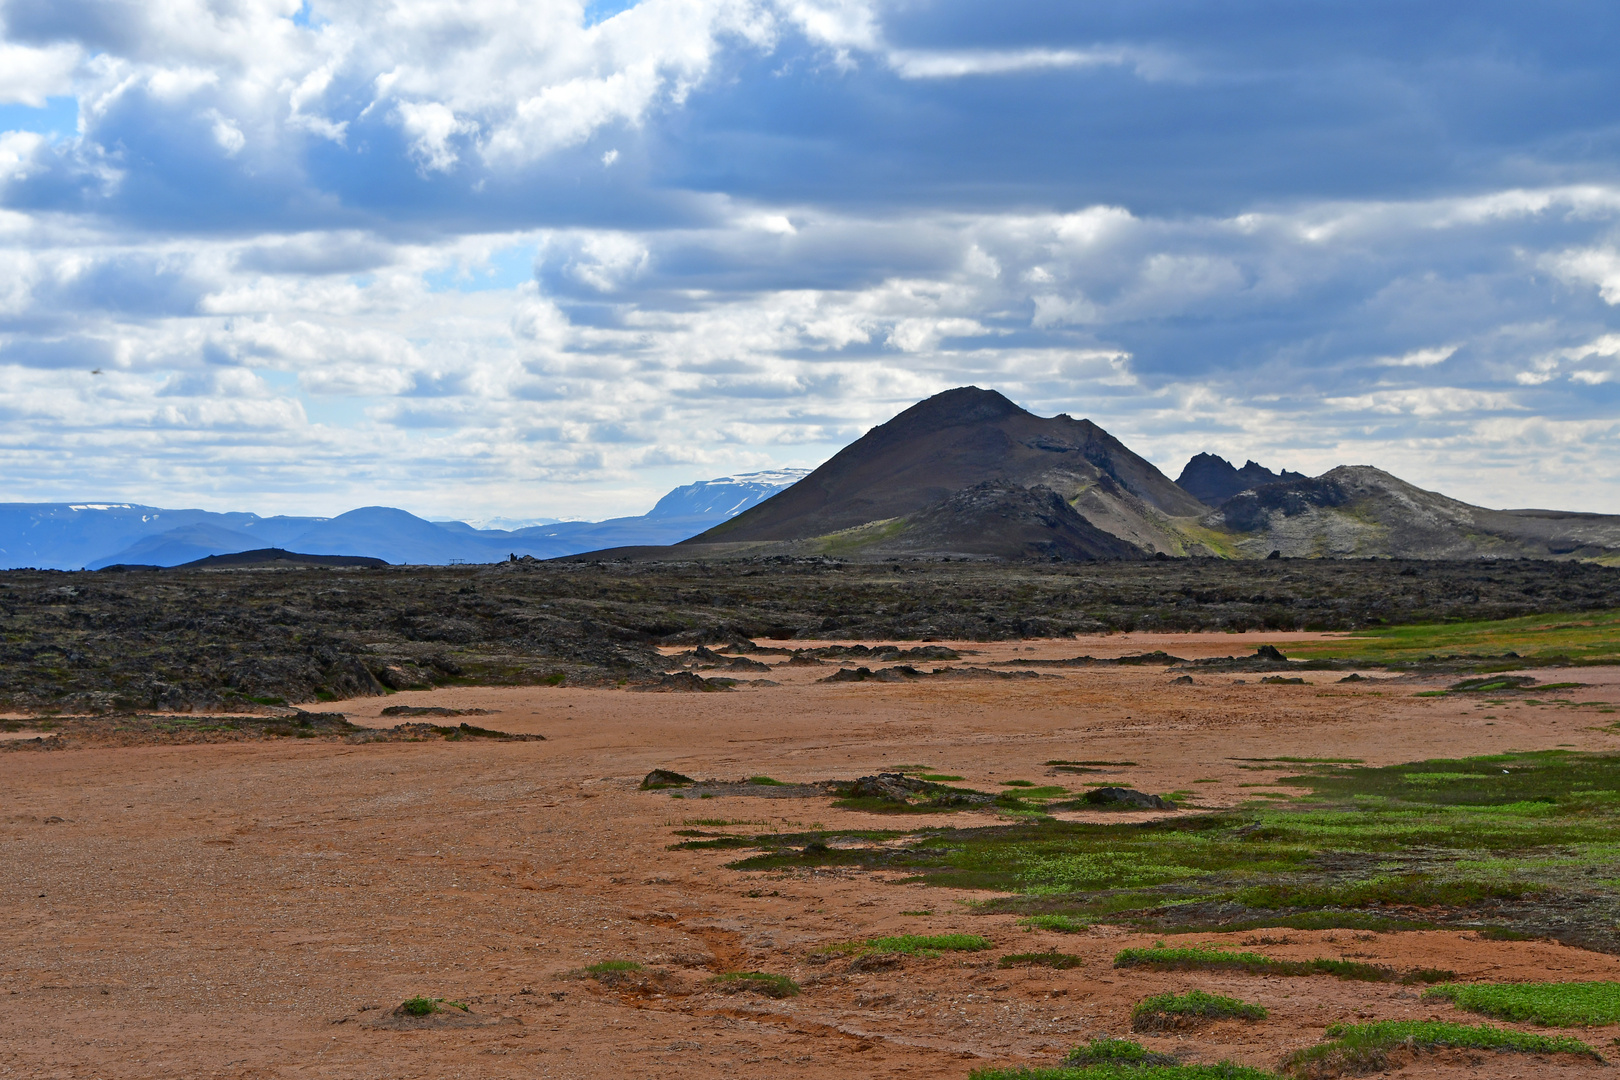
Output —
(968, 473)
(873, 491)
(1357, 510)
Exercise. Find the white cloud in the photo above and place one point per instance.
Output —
(1588, 266)
(917, 64)
(28, 76)
(1420, 358)
(17, 152)
(1427, 401)
(431, 126)
(227, 134)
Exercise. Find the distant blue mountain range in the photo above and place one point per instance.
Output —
(68, 536)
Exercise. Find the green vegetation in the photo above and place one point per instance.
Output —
(1550, 1004)
(1018, 783)
(1121, 1059)
(1522, 842)
(1490, 684)
(1062, 924)
(1590, 637)
(718, 842)
(611, 967)
(425, 1006)
(758, 982)
(1103, 1050)
(1362, 1048)
(914, 944)
(767, 781)
(1127, 1070)
(1214, 958)
(1172, 1012)
(1051, 958)
(1193, 958)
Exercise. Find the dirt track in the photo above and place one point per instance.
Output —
(256, 909)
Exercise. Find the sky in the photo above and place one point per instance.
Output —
(526, 258)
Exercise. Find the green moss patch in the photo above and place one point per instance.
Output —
(1209, 958)
(1587, 637)
(914, 944)
(1223, 1070)
(1103, 1050)
(1519, 842)
(1363, 1048)
(1061, 924)
(1051, 958)
(1105, 1058)
(1195, 1008)
(1552, 1004)
(756, 982)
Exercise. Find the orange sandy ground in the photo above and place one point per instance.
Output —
(256, 909)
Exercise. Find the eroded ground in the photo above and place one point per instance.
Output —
(258, 908)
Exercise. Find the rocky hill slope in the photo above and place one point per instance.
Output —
(969, 473)
(1212, 479)
(894, 489)
(1358, 511)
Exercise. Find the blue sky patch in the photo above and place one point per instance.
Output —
(58, 119)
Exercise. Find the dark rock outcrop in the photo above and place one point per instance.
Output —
(1122, 797)
(1212, 479)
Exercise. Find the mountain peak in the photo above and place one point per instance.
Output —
(951, 442)
(955, 408)
(1214, 480)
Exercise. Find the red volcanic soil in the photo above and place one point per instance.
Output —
(258, 909)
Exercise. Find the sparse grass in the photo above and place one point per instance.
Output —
(766, 781)
(1174, 1012)
(420, 1006)
(1505, 839)
(1061, 924)
(1192, 958)
(1062, 961)
(1550, 1004)
(717, 843)
(1362, 1048)
(1222, 1070)
(1047, 791)
(1018, 783)
(1103, 1050)
(914, 944)
(1587, 637)
(611, 967)
(1209, 958)
(757, 982)
(1058, 762)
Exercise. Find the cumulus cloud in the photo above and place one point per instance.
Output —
(28, 76)
(476, 256)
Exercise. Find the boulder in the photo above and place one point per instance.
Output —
(1127, 797)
